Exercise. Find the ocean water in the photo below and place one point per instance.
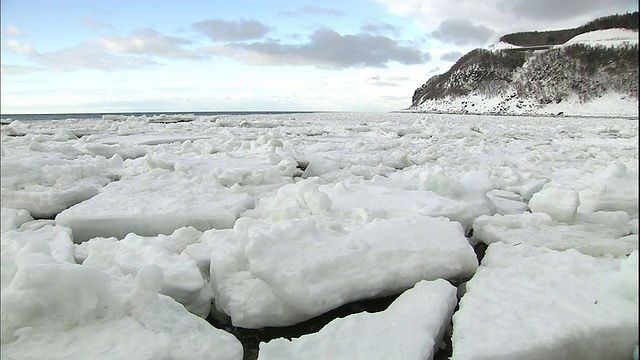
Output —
(6, 118)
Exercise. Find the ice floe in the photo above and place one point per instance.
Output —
(411, 328)
(529, 302)
(120, 234)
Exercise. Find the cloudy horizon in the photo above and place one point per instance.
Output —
(211, 56)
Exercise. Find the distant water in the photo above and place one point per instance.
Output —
(46, 117)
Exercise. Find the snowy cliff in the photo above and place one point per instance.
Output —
(593, 73)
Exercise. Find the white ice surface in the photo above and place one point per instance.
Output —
(370, 177)
(596, 234)
(60, 310)
(559, 203)
(410, 328)
(529, 302)
(281, 274)
(155, 202)
(182, 279)
(56, 238)
(387, 202)
(45, 185)
(13, 219)
(507, 202)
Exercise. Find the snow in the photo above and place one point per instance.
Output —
(284, 273)
(597, 234)
(46, 184)
(53, 308)
(152, 203)
(121, 234)
(531, 302)
(13, 219)
(561, 204)
(610, 104)
(182, 278)
(410, 328)
(607, 37)
(501, 45)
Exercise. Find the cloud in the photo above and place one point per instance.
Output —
(327, 50)
(90, 55)
(553, 10)
(94, 23)
(381, 28)
(313, 10)
(19, 69)
(12, 30)
(451, 56)
(462, 32)
(149, 42)
(376, 79)
(108, 53)
(223, 30)
(20, 47)
(506, 16)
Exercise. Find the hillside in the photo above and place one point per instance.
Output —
(558, 37)
(592, 73)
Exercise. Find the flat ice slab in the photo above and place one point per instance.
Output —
(529, 302)
(281, 274)
(386, 202)
(156, 202)
(47, 185)
(410, 328)
(598, 234)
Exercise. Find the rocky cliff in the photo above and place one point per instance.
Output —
(594, 72)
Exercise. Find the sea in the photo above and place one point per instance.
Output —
(7, 118)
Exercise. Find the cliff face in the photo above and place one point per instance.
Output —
(592, 67)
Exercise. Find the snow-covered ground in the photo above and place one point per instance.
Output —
(121, 234)
(610, 104)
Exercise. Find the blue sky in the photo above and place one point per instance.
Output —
(70, 56)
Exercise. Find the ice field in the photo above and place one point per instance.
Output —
(517, 237)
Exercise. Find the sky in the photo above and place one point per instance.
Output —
(77, 56)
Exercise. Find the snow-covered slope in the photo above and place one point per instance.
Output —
(607, 37)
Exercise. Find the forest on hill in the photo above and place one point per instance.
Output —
(557, 37)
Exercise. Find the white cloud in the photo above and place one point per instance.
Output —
(12, 30)
(381, 28)
(223, 30)
(94, 23)
(19, 69)
(90, 55)
(394, 79)
(108, 53)
(149, 42)
(313, 10)
(20, 47)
